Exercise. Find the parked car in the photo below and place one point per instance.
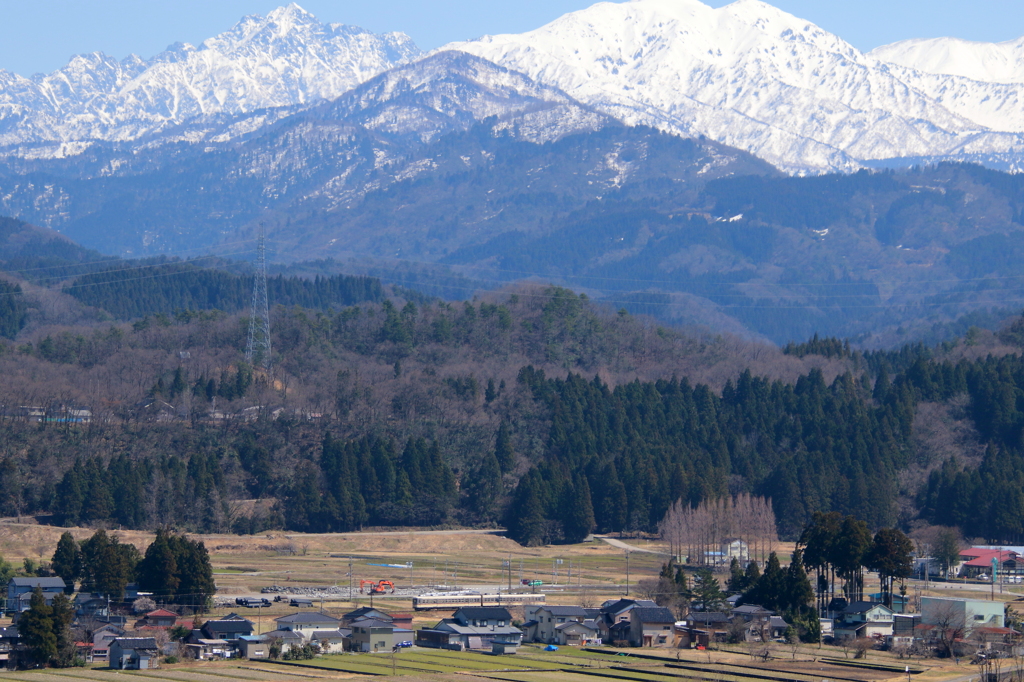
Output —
(405, 645)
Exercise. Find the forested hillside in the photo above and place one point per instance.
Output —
(533, 408)
(131, 290)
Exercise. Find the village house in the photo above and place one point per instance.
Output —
(101, 639)
(703, 628)
(372, 635)
(253, 646)
(473, 627)
(204, 649)
(617, 611)
(9, 639)
(307, 622)
(576, 633)
(159, 619)
(736, 548)
(19, 591)
(545, 620)
(134, 653)
(228, 629)
(864, 619)
(298, 629)
(651, 627)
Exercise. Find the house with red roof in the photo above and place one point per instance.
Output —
(161, 618)
(977, 562)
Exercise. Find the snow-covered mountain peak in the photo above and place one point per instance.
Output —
(985, 62)
(753, 76)
(283, 59)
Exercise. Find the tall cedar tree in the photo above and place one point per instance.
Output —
(194, 574)
(107, 565)
(67, 561)
(770, 590)
(706, 590)
(63, 615)
(503, 448)
(578, 518)
(890, 555)
(36, 629)
(158, 570)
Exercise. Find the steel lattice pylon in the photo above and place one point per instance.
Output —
(258, 348)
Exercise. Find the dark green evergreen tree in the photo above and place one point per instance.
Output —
(890, 555)
(62, 616)
(37, 630)
(771, 590)
(578, 515)
(158, 570)
(737, 579)
(798, 591)
(107, 565)
(503, 448)
(195, 573)
(67, 561)
(707, 592)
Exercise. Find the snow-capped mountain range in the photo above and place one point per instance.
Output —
(283, 59)
(757, 78)
(747, 75)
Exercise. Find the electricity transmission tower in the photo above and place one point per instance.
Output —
(258, 348)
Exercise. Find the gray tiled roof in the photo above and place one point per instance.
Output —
(372, 623)
(45, 583)
(307, 617)
(137, 643)
(654, 615)
(228, 626)
(282, 634)
(485, 613)
(566, 611)
(709, 617)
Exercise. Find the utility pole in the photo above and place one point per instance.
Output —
(509, 571)
(627, 572)
(258, 346)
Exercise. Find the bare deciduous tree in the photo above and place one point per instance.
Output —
(699, 532)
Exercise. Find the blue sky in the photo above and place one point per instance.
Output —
(40, 35)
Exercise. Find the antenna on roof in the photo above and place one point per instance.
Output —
(257, 350)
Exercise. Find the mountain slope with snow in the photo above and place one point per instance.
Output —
(985, 62)
(285, 58)
(757, 78)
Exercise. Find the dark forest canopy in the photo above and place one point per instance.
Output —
(129, 291)
(534, 409)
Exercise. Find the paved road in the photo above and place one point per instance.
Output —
(632, 548)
